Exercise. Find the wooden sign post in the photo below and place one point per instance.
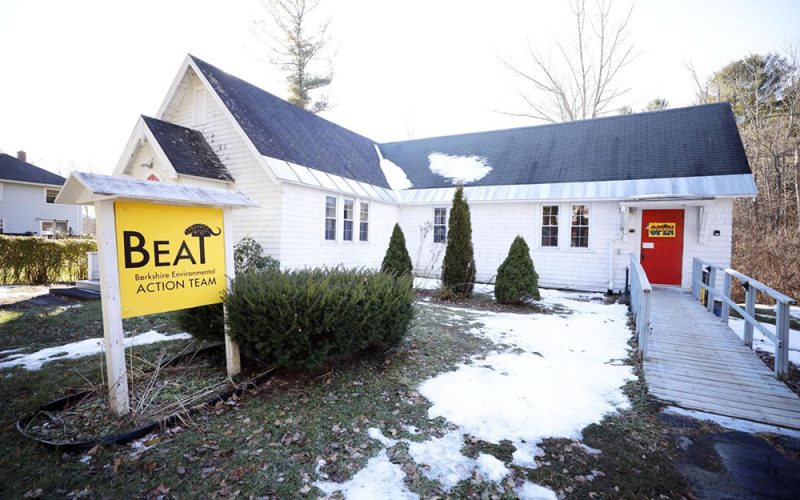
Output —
(162, 247)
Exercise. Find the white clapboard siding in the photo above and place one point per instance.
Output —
(22, 206)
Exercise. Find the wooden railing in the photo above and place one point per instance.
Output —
(641, 296)
(780, 339)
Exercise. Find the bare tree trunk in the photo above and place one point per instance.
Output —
(797, 186)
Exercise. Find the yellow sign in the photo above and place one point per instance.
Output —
(661, 229)
(169, 257)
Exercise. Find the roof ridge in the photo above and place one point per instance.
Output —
(559, 124)
(310, 114)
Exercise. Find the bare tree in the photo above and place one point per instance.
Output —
(297, 45)
(584, 82)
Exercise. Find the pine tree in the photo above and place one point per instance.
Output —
(516, 277)
(397, 261)
(458, 268)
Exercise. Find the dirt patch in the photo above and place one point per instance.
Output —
(792, 379)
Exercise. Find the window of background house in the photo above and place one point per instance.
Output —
(439, 225)
(347, 234)
(550, 226)
(2, 226)
(330, 218)
(363, 222)
(50, 195)
(580, 226)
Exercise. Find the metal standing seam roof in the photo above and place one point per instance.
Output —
(187, 150)
(677, 143)
(13, 169)
(283, 131)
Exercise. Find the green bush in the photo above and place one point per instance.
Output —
(207, 322)
(458, 267)
(516, 277)
(307, 318)
(30, 260)
(397, 261)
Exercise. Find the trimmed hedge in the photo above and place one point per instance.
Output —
(516, 277)
(305, 319)
(30, 260)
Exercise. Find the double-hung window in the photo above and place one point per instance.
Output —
(347, 233)
(439, 225)
(363, 222)
(330, 218)
(579, 230)
(550, 226)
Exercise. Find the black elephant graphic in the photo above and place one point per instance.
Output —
(201, 231)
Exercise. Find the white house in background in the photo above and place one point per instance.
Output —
(27, 200)
(585, 195)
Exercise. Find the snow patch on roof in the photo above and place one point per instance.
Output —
(395, 176)
(459, 169)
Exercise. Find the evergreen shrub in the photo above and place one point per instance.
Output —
(516, 277)
(307, 318)
(458, 267)
(31, 260)
(208, 322)
(397, 261)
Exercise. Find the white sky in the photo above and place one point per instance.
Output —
(75, 75)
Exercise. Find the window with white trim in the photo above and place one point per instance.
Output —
(363, 222)
(50, 195)
(330, 218)
(439, 225)
(579, 229)
(550, 226)
(347, 233)
(53, 227)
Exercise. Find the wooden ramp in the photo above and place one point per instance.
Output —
(697, 362)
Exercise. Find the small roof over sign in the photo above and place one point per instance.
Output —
(84, 189)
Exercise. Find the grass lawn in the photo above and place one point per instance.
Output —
(297, 429)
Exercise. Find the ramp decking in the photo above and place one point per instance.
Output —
(697, 362)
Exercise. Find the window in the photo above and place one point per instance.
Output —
(2, 226)
(363, 222)
(580, 226)
(53, 227)
(550, 226)
(439, 225)
(50, 195)
(330, 218)
(347, 233)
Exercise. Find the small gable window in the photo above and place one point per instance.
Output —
(50, 195)
(439, 225)
(330, 218)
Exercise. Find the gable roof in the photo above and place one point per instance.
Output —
(12, 169)
(187, 150)
(676, 143)
(281, 130)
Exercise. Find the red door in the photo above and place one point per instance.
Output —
(662, 246)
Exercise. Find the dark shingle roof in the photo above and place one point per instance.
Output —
(281, 130)
(683, 142)
(187, 150)
(12, 169)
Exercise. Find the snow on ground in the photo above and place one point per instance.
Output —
(423, 283)
(395, 176)
(80, 349)
(379, 479)
(532, 491)
(10, 294)
(550, 377)
(459, 169)
(762, 343)
(732, 423)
